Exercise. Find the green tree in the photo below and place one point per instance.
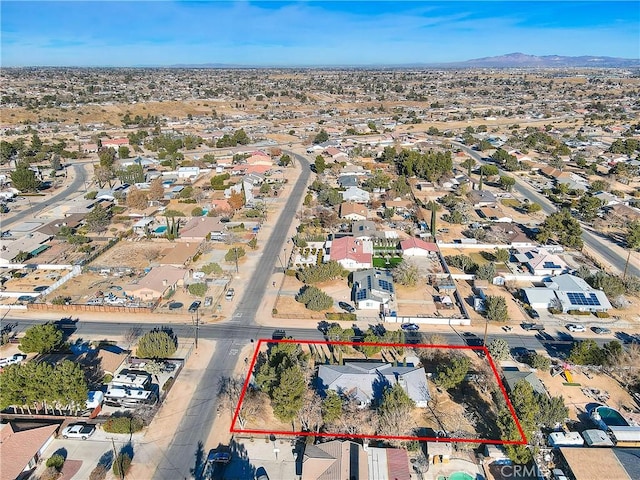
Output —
(586, 352)
(288, 398)
(210, 268)
(320, 164)
(331, 407)
(588, 206)
(507, 182)
(499, 349)
(496, 308)
(314, 299)
(501, 255)
(44, 338)
(157, 344)
(598, 186)
(234, 253)
(321, 273)
(450, 375)
(539, 362)
(532, 207)
(486, 271)
(197, 212)
(469, 164)
(56, 461)
(97, 219)
(489, 170)
(123, 152)
(198, 289)
(562, 227)
(24, 179)
(321, 137)
(121, 465)
(633, 235)
(552, 410)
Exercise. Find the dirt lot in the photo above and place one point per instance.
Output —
(516, 316)
(33, 279)
(136, 255)
(84, 286)
(575, 397)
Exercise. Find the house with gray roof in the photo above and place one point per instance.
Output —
(513, 376)
(365, 382)
(372, 288)
(567, 292)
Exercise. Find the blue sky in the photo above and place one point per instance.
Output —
(128, 33)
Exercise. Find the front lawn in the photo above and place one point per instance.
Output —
(379, 262)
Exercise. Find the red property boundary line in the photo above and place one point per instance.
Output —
(233, 429)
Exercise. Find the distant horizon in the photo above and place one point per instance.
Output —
(311, 34)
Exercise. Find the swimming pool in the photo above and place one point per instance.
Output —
(460, 476)
(160, 229)
(611, 417)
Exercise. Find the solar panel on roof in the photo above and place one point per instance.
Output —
(579, 298)
(361, 294)
(551, 265)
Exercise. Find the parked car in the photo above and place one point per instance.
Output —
(601, 330)
(532, 326)
(78, 430)
(218, 457)
(261, 474)
(208, 301)
(345, 306)
(229, 295)
(13, 359)
(410, 327)
(194, 306)
(576, 327)
(279, 334)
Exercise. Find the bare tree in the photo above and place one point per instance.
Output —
(310, 415)
(396, 422)
(355, 420)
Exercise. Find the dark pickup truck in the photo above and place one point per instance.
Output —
(533, 326)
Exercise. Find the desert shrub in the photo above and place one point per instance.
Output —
(347, 317)
(99, 473)
(157, 344)
(539, 362)
(107, 378)
(602, 315)
(168, 384)
(121, 465)
(578, 312)
(315, 299)
(198, 289)
(56, 461)
(123, 425)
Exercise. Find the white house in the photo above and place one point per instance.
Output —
(188, 172)
(540, 262)
(415, 247)
(355, 194)
(567, 292)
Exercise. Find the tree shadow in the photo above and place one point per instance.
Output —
(106, 460)
(127, 449)
(199, 464)
(62, 452)
(240, 466)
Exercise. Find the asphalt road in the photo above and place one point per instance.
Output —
(184, 456)
(66, 192)
(594, 243)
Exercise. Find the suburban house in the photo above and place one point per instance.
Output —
(366, 381)
(365, 229)
(372, 288)
(178, 254)
(353, 211)
(346, 181)
(32, 243)
(73, 220)
(355, 194)
(415, 247)
(351, 253)
(494, 214)
(510, 233)
(482, 198)
(158, 282)
(567, 292)
(540, 262)
(143, 226)
(188, 172)
(22, 447)
(338, 459)
(512, 376)
(114, 143)
(198, 228)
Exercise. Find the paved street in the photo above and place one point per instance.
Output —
(604, 248)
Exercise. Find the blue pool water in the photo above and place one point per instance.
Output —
(160, 229)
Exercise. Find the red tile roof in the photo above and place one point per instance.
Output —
(18, 448)
(418, 243)
(349, 248)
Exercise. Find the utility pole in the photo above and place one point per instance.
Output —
(626, 265)
(486, 326)
(196, 323)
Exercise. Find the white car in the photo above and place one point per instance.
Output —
(576, 327)
(13, 359)
(229, 295)
(78, 430)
